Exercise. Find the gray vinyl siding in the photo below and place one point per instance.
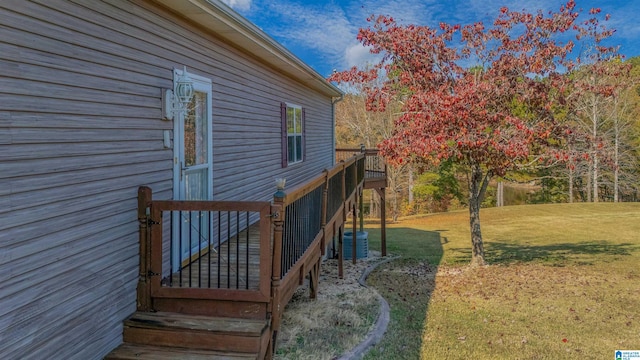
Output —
(81, 130)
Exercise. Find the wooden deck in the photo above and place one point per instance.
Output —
(227, 302)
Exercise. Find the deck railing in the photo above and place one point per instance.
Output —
(211, 248)
(245, 251)
(374, 167)
(302, 223)
(312, 213)
(309, 207)
(205, 249)
(374, 170)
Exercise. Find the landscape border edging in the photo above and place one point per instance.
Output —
(375, 335)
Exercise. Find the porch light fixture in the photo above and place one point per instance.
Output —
(280, 187)
(176, 100)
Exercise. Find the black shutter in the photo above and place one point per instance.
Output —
(283, 134)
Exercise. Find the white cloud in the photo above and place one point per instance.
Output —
(626, 26)
(240, 5)
(359, 55)
(323, 33)
(331, 29)
(321, 29)
(403, 11)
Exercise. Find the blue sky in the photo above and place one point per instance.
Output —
(323, 33)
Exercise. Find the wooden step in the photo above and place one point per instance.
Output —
(210, 307)
(196, 332)
(148, 352)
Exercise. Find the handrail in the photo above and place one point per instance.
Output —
(204, 249)
(302, 189)
(374, 161)
(358, 150)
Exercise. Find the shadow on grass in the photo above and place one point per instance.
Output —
(580, 253)
(407, 284)
(411, 243)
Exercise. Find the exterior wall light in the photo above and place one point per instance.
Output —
(280, 187)
(176, 100)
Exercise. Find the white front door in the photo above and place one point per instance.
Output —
(193, 171)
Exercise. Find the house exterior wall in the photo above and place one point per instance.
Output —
(81, 128)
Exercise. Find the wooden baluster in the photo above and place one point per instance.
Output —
(354, 212)
(344, 219)
(383, 221)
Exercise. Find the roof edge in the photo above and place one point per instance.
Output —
(234, 28)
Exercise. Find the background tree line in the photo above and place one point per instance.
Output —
(603, 164)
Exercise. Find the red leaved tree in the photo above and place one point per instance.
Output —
(485, 96)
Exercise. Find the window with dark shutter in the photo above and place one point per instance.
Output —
(293, 134)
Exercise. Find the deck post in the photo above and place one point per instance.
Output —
(354, 228)
(323, 220)
(354, 210)
(361, 214)
(361, 189)
(340, 252)
(383, 221)
(314, 276)
(344, 219)
(277, 213)
(144, 283)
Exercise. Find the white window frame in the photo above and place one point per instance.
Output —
(297, 133)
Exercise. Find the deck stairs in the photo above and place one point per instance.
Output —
(168, 336)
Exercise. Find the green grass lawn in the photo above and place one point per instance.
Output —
(563, 282)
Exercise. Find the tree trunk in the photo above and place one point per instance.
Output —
(616, 153)
(373, 208)
(477, 247)
(395, 206)
(411, 185)
(477, 188)
(588, 185)
(616, 177)
(616, 185)
(594, 134)
(595, 177)
(570, 186)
